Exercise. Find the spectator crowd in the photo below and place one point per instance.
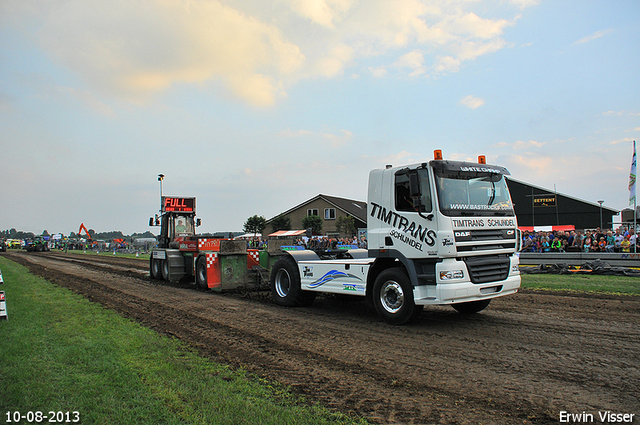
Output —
(623, 239)
(314, 243)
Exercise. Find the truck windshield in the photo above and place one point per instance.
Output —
(472, 193)
(183, 226)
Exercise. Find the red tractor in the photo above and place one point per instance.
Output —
(183, 255)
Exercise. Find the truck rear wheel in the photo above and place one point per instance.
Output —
(201, 273)
(471, 307)
(393, 297)
(285, 284)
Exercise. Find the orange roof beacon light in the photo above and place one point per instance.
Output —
(482, 159)
(437, 155)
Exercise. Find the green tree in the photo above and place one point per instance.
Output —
(314, 222)
(281, 222)
(346, 225)
(255, 224)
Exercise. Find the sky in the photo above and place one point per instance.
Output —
(255, 106)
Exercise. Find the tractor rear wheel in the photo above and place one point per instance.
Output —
(155, 271)
(201, 273)
(165, 269)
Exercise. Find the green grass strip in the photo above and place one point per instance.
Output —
(62, 353)
(618, 285)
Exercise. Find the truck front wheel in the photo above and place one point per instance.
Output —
(393, 297)
(285, 284)
(471, 307)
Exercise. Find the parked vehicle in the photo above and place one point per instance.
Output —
(37, 244)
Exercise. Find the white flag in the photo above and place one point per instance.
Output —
(632, 178)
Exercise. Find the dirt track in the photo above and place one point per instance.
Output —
(523, 360)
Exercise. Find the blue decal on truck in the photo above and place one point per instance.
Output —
(329, 276)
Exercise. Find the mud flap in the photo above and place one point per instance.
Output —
(253, 258)
(213, 271)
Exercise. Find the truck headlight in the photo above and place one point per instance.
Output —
(451, 274)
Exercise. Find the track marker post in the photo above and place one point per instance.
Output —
(1, 281)
(3, 307)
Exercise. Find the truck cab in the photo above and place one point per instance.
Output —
(439, 233)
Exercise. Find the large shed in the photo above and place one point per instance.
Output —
(537, 206)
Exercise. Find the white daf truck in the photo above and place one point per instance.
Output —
(439, 232)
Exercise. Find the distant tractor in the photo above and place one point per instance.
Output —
(38, 244)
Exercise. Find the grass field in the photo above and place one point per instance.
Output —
(583, 283)
(62, 353)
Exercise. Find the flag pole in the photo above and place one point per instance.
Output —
(632, 194)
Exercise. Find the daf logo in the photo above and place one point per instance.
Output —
(462, 234)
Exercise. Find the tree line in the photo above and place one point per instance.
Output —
(107, 236)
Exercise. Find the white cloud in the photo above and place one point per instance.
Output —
(469, 50)
(526, 145)
(623, 140)
(334, 62)
(414, 61)
(471, 25)
(447, 64)
(137, 49)
(322, 12)
(338, 140)
(472, 102)
(134, 50)
(378, 72)
(291, 133)
(593, 36)
(524, 3)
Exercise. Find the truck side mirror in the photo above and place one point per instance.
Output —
(198, 222)
(151, 221)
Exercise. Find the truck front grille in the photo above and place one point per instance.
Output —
(485, 240)
(488, 268)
